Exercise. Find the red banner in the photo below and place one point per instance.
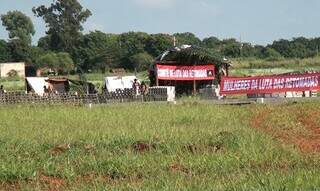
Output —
(185, 73)
(270, 84)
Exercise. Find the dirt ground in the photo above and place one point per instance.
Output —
(307, 139)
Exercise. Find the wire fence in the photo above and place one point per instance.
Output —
(119, 96)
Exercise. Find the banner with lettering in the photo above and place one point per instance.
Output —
(185, 73)
(270, 84)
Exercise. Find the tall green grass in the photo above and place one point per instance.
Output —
(190, 146)
(253, 63)
(254, 67)
(13, 85)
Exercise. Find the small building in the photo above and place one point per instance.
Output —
(14, 68)
(58, 85)
(188, 69)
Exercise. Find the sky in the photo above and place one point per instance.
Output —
(254, 21)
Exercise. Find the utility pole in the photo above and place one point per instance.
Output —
(174, 41)
(240, 46)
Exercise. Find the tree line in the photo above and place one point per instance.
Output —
(65, 47)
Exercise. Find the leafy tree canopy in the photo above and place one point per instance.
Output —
(211, 42)
(187, 39)
(98, 50)
(141, 61)
(59, 62)
(4, 51)
(158, 43)
(21, 29)
(64, 19)
(19, 26)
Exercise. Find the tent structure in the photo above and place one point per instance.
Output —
(54, 85)
(115, 83)
(36, 84)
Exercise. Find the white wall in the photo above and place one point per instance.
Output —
(5, 68)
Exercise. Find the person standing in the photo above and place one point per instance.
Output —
(45, 91)
(143, 88)
(2, 90)
(136, 87)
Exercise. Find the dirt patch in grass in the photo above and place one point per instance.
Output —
(311, 143)
(113, 180)
(308, 140)
(134, 180)
(199, 148)
(15, 186)
(141, 146)
(222, 141)
(90, 148)
(265, 166)
(52, 183)
(59, 149)
(178, 168)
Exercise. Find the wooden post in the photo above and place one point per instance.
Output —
(194, 87)
(157, 79)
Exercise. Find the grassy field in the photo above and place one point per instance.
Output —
(253, 66)
(188, 146)
(249, 63)
(13, 85)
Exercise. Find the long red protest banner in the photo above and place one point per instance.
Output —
(270, 84)
(185, 73)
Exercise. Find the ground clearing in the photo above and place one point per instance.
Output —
(292, 124)
(189, 146)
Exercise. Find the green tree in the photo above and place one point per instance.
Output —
(44, 43)
(59, 62)
(300, 47)
(132, 43)
(21, 29)
(211, 42)
(35, 53)
(65, 62)
(158, 43)
(64, 19)
(19, 26)
(283, 47)
(98, 50)
(258, 51)
(187, 39)
(4, 51)
(271, 54)
(48, 60)
(141, 61)
(247, 50)
(231, 48)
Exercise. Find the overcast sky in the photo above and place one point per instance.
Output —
(255, 21)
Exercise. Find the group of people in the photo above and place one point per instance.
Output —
(139, 89)
(48, 91)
